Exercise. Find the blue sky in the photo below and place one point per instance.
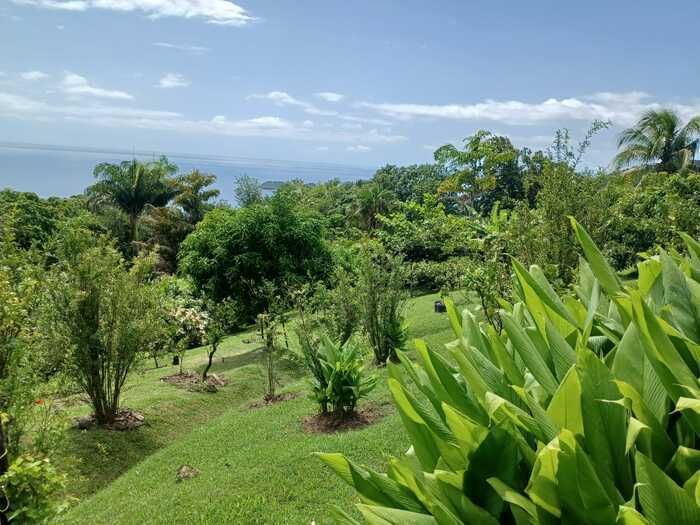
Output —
(353, 82)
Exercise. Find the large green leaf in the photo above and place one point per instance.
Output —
(373, 488)
(679, 298)
(599, 265)
(604, 424)
(663, 502)
(384, 516)
(529, 354)
(632, 366)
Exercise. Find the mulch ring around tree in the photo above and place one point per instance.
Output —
(271, 400)
(126, 419)
(330, 423)
(191, 380)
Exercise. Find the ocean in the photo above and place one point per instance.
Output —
(63, 171)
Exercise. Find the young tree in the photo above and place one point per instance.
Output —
(221, 317)
(105, 314)
(380, 294)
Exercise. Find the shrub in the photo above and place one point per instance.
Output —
(28, 487)
(380, 295)
(105, 314)
(584, 410)
(339, 379)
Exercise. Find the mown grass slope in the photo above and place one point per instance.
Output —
(257, 464)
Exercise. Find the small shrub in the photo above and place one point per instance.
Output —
(380, 295)
(29, 486)
(340, 380)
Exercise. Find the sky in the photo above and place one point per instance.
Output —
(360, 82)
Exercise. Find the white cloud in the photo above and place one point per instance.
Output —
(322, 148)
(187, 48)
(34, 75)
(21, 107)
(359, 148)
(220, 12)
(77, 85)
(173, 80)
(621, 108)
(281, 98)
(60, 27)
(329, 96)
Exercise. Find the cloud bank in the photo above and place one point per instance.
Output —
(220, 12)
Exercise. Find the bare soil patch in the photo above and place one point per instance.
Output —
(191, 380)
(126, 419)
(331, 423)
(271, 400)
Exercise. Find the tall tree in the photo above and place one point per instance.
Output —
(195, 194)
(132, 186)
(370, 200)
(659, 139)
(485, 171)
(247, 190)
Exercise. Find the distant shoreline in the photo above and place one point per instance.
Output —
(229, 159)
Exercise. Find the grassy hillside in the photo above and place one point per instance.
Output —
(256, 463)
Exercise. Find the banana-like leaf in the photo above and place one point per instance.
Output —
(386, 516)
(662, 501)
(373, 488)
(678, 297)
(604, 424)
(632, 366)
(529, 354)
(599, 265)
(630, 516)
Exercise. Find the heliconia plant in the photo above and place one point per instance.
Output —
(585, 409)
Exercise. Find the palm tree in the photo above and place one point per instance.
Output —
(369, 201)
(194, 196)
(659, 139)
(132, 186)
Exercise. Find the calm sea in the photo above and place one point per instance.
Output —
(49, 170)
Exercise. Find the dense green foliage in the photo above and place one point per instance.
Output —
(233, 251)
(583, 410)
(572, 386)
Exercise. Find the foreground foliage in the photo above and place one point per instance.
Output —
(585, 409)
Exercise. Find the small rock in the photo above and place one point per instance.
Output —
(84, 422)
(186, 472)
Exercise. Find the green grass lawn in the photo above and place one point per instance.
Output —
(257, 464)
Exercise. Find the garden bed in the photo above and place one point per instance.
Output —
(191, 380)
(330, 423)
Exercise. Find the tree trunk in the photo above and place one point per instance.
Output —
(133, 219)
(211, 358)
(4, 466)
